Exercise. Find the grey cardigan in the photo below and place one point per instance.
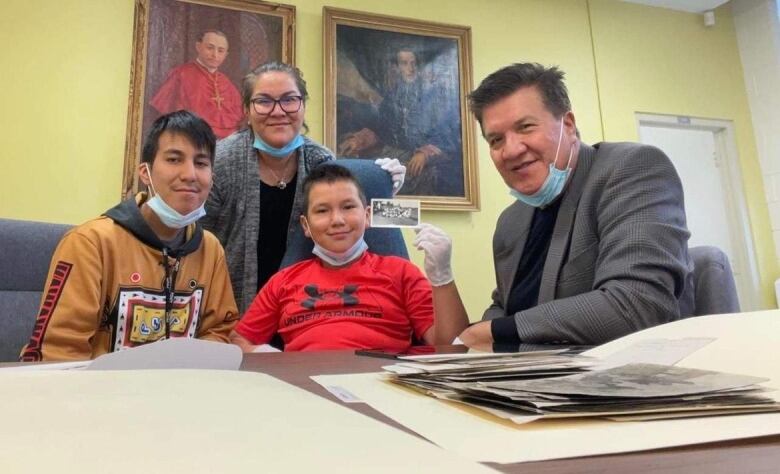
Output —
(233, 207)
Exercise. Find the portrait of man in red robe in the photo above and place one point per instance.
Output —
(199, 86)
(192, 55)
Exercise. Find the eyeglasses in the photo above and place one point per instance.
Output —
(288, 103)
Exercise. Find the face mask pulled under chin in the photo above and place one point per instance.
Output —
(283, 152)
(168, 215)
(339, 259)
(554, 183)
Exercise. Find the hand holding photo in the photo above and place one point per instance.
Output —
(395, 213)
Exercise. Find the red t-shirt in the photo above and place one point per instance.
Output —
(375, 303)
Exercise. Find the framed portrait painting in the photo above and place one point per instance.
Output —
(397, 88)
(193, 54)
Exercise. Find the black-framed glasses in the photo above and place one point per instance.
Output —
(288, 103)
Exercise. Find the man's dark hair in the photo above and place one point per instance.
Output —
(507, 80)
(405, 48)
(329, 173)
(181, 122)
(216, 32)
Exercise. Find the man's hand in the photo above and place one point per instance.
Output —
(430, 150)
(417, 163)
(477, 334)
(437, 246)
(420, 158)
(395, 168)
(358, 142)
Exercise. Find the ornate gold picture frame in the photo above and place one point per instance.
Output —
(192, 54)
(397, 87)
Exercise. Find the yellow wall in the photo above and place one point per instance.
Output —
(65, 75)
(66, 69)
(661, 61)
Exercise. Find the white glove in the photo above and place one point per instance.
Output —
(396, 169)
(437, 246)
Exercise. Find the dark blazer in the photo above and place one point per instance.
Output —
(618, 259)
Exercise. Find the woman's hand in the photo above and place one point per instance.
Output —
(396, 169)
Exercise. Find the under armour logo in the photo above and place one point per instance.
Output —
(346, 295)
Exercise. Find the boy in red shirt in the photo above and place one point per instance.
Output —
(348, 297)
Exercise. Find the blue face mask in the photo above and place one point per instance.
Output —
(552, 186)
(279, 153)
(339, 259)
(168, 215)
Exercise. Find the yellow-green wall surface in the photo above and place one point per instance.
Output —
(66, 71)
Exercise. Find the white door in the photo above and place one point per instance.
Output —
(710, 205)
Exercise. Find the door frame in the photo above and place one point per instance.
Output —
(731, 174)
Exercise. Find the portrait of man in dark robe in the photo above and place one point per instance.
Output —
(397, 96)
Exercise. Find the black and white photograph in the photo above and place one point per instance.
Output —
(395, 213)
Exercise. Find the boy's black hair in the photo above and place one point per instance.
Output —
(329, 173)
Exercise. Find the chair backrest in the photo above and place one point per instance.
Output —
(376, 184)
(715, 291)
(26, 248)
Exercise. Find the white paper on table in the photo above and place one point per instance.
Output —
(744, 343)
(342, 394)
(176, 353)
(196, 421)
(78, 365)
(654, 351)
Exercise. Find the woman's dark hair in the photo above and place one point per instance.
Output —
(249, 81)
(248, 84)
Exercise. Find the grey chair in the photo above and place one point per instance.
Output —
(26, 248)
(376, 184)
(715, 290)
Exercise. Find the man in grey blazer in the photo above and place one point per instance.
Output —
(595, 247)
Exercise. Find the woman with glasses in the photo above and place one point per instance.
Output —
(258, 175)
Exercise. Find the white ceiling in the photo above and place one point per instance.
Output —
(693, 6)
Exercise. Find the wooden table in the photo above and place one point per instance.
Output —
(740, 456)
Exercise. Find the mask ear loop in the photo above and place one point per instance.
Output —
(571, 153)
(560, 138)
(308, 227)
(151, 183)
(557, 149)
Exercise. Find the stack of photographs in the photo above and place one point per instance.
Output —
(552, 385)
(446, 371)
